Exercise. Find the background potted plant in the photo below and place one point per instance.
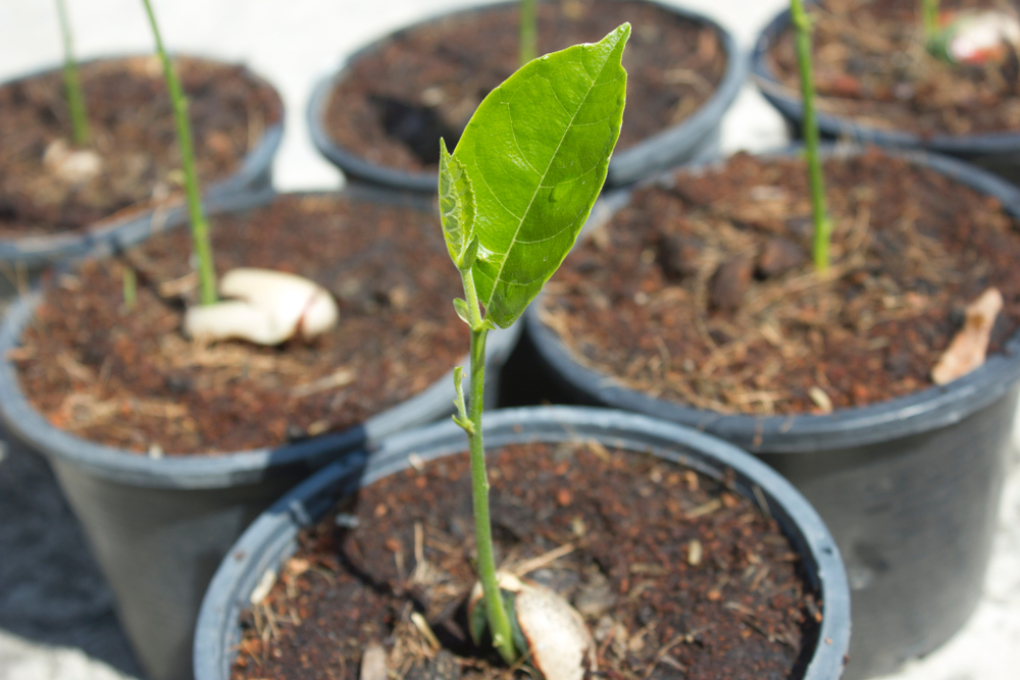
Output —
(62, 197)
(379, 119)
(885, 76)
(730, 329)
(160, 521)
(513, 154)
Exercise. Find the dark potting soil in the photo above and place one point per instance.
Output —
(675, 575)
(704, 294)
(395, 104)
(871, 64)
(129, 378)
(132, 131)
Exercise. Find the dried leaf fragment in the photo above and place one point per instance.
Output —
(970, 344)
(373, 662)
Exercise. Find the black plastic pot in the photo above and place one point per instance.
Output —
(26, 257)
(159, 527)
(995, 151)
(910, 487)
(272, 538)
(696, 138)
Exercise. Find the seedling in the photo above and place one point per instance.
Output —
(528, 38)
(199, 224)
(512, 199)
(822, 225)
(80, 133)
(930, 19)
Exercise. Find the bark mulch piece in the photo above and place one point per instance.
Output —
(425, 83)
(129, 378)
(871, 65)
(675, 574)
(133, 132)
(704, 294)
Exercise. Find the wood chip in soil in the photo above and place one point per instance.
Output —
(132, 131)
(704, 294)
(129, 378)
(394, 105)
(871, 64)
(619, 528)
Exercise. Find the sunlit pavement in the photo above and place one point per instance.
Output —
(56, 617)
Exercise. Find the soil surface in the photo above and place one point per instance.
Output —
(427, 81)
(871, 64)
(129, 378)
(704, 294)
(133, 133)
(675, 575)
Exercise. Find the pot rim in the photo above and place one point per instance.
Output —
(108, 235)
(922, 411)
(624, 166)
(272, 536)
(789, 103)
(222, 469)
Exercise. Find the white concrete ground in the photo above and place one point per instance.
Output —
(292, 43)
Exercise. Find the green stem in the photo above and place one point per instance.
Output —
(820, 245)
(80, 133)
(499, 621)
(930, 16)
(199, 225)
(528, 41)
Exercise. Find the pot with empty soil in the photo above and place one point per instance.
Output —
(58, 200)
(168, 447)
(380, 118)
(879, 85)
(685, 556)
(696, 302)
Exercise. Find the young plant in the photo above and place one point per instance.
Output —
(513, 198)
(930, 20)
(822, 226)
(80, 133)
(528, 37)
(199, 224)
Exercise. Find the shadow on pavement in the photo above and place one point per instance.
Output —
(51, 590)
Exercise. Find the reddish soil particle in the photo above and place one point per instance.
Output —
(742, 611)
(871, 65)
(128, 378)
(133, 132)
(432, 78)
(911, 248)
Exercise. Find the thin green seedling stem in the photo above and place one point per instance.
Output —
(802, 41)
(528, 39)
(130, 287)
(499, 621)
(199, 224)
(80, 132)
(930, 18)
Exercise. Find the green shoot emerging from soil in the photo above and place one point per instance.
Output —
(199, 224)
(80, 133)
(802, 26)
(528, 40)
(930, 19)
(512, 199)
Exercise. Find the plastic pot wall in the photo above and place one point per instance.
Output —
(272, 538)
(160, 527)
(23, 259)
(694, 139)
(998, 152)
(909, 487)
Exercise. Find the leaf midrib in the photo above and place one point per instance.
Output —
(520, 223)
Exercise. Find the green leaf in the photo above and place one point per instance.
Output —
(460, 305)
(537, 152)
(456, 208)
